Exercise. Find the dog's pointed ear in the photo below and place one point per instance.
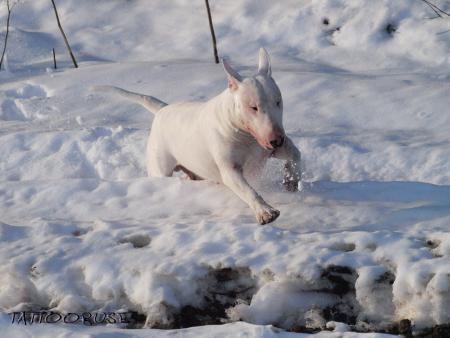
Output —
(264, 63)
(233, 76)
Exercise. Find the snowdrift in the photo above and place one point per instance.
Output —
(356, 35)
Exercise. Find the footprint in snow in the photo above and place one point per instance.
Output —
(10, 111)
(80, 232)
(344, 247)
(433, 246)
(12, 108)
(138, 241)
(29, 91)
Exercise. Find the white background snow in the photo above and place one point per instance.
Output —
(82, 227)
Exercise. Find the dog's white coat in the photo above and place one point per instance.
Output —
(226, 138)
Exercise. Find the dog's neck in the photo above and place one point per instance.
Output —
(229, 119)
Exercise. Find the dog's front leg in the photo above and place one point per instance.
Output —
(234, 179)
(292, 167)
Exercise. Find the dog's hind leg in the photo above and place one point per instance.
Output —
(160, 167)
(160, 163)
(189, 173)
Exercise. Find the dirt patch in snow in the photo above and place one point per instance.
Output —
(223, 288)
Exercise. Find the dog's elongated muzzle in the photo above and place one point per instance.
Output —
(278, 142)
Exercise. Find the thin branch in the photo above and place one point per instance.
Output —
(64, 35)
(439, 9)
(54, 58)
(213, 35)
(436, 9)
(9, 7)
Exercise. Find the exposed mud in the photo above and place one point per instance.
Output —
(223, 288)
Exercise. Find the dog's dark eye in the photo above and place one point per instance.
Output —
(254, 108)
(278, 103)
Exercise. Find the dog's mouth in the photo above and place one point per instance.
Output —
(265, 145)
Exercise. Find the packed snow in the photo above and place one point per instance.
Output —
(365, 244)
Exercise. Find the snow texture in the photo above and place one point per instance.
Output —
(366, 243)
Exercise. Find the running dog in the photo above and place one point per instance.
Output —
(225, 138)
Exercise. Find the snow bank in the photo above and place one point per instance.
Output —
(345, 34)
(276, 276)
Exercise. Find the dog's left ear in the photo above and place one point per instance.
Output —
(264, 63)
(233, 76)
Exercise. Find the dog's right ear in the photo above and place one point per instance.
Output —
(264, 63)
(233, 76)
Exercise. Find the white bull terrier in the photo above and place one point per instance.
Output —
(226, 138)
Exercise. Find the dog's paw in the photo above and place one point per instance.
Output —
(266, 215)
(291, 186)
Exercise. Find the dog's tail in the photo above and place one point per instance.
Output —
(149, 102)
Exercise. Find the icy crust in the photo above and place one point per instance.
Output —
(262, 275)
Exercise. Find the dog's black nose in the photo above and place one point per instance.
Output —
(278, 142)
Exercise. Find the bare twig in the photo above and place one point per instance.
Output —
(439, 9)
(213, 35)
(54, 58)
(9, 7)
(436, 9)
(64, 36)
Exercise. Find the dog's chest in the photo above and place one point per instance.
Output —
(254, 161)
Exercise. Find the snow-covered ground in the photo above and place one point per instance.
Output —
(367, 241)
